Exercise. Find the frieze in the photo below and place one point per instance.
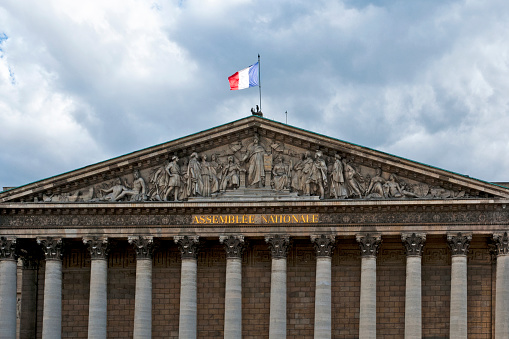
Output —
(399, 217)
(260, 166)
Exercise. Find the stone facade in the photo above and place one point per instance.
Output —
(267, 231)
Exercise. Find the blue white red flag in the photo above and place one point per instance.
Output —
(248, 77)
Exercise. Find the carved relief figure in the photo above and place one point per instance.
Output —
(392, 188)
(280, 175)
(307, 165)
(353, 180)
(376, 186)
(114, 191)
(159, 180)
(256, 170)
(139, 191)
(231, 175)
(317, 179)
(297, 174)
(338, 188)
(173, 170)
(194, 176)
(208, 178)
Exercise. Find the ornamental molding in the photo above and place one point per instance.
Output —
(234, 245)
(189, 246)
(51, 247)
(97, 246)
(118, 216)
(324, 244)
(501, 243)
(143, 246)
(369, 244)
(459, 243)
(8, 248)
(414, 243)
(279, 245)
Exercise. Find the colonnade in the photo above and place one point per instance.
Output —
(324, 245)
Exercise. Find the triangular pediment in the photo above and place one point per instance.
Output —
(253, 159)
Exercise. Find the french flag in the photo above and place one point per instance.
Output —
(248, 77)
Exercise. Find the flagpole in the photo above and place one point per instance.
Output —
(259, 81)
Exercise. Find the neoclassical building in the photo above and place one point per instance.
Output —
(255, 229)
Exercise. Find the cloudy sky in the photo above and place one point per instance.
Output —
(85, 81)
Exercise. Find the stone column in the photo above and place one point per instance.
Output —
(501, 242)
(52, 311)
(459, 244)
(98, 303)
(369, 245)
(234, 246)
(144, 247)
(413, 290)
(188, 246)
(8, 280)
(278, 245)
(324, 247)
(29, 283)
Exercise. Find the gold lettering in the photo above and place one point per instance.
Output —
(264, 217)
(209, 219)
(196, 220)
(289, 218)
(315, 215)
(295, 218)
(273, 219)
(251, 219)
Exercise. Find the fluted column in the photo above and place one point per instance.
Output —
(501, 242)
(188, 246)
(278, 245)
(413, 289)
(29, 282)
(234, 246)
(52, 312)
(459, 244)
(8, 280)
(324, 248)
(144, 247)
(369, 245)
(98, 302)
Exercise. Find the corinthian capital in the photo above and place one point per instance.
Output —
(52, 247)
(501, 243)
(8, 248)
(369, 244)
(278, 245)
(413, 242)
(233, 244)
(459, 243)
(143, 245)
(188, 246)
(324, 244)
(98, 247)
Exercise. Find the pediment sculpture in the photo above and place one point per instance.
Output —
(258, 166)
